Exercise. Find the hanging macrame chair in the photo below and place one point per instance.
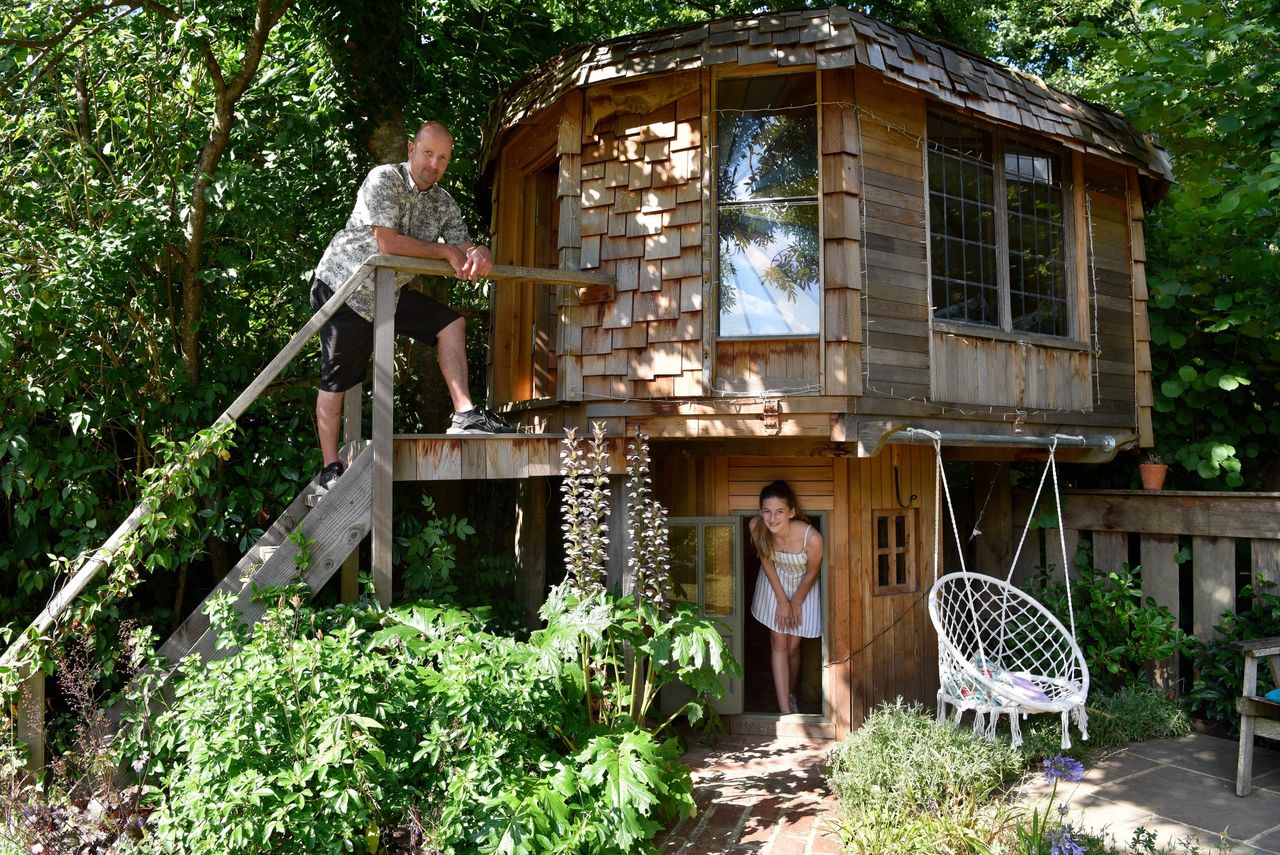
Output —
(999, 650)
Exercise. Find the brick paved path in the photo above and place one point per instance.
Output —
(759, 795)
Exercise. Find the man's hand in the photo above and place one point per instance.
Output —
(477, 263)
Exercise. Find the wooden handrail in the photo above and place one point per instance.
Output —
(102, 555)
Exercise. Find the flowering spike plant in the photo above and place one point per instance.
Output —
(648, 548)
(586, 508)
(625, 646)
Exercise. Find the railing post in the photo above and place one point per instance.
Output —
(29, 725)
(352, 406)
(383, 444)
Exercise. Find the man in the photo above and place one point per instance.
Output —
(400, 210)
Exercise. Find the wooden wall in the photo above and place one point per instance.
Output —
(641, 219)
(892, 124)
(841, 235)
(978, 370)
(879, 646)
(628, 161)
(1107, 220)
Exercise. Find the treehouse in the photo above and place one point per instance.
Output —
(821, 232)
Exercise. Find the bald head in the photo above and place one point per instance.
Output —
(429, 154)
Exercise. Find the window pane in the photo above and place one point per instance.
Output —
(961, 184)
(882, 570)
(684, 563)
(769, 269)
(900, 531)
(718, 564)
(1037, 267)
(767, 137)
(901, 567)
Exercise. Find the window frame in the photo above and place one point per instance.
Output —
(712, 267)
(1074, 337)
(911, 550)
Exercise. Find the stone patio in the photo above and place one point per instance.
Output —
(765, 795)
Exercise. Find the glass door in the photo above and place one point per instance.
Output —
(705, 572)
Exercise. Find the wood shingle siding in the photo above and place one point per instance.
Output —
(841, 38)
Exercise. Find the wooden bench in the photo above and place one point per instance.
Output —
(1257, 715)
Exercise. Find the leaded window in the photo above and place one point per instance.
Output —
(997, 234)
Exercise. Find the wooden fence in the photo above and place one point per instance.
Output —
(1197, 550)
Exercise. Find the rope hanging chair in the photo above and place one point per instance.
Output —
(999, 650)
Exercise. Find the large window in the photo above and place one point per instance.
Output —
(997, 234)
(767, 206)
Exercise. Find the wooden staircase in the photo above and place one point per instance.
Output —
(359, 505)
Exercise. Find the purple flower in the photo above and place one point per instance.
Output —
(1062, 843)
(1063, 810)
(1062, 768)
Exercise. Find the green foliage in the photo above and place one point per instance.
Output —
(1121, 632)
(1134, 713)
(1203, 77)
(1219, 667)
(328, 724)
(908, 783)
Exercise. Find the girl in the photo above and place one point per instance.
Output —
(785, 601)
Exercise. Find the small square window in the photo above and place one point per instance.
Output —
(894, 551)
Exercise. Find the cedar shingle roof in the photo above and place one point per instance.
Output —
(839, 38)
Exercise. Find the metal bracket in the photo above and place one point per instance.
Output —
(772, 424)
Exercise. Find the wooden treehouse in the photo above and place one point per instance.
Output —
(774, 244)
(822, 231)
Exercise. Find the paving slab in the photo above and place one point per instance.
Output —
(1211, 755)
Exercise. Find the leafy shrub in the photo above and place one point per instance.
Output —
(1120, 632)
(1132, 714)
(1219, 667)
(330, 728)
(908, 783)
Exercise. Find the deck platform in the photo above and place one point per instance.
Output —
(468, 457)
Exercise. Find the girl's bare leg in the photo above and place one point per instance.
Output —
(780, 656)
(793, 662)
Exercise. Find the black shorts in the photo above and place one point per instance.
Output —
(346, 340)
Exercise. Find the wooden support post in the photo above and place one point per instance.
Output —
(1029, 559)
(994, 547)
(1160, 583)
(531, 545)
(1213, 574)
(1053, 548)
(1265, 565)
(351, 430)
(618, 576)
(384, 313)
(29, 727)
(1110, 550)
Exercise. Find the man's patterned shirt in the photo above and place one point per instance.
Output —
(388, 197)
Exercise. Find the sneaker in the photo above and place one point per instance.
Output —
(328, 477)
(478, 420)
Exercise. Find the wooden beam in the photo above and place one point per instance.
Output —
(1213, 569)
(352, 410)
(383, 447)
(991, 497)
(1207, 514)
(1160, 583)
(506, 274)
(29, 726)
(1265, 565)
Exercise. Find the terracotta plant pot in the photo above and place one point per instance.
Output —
(1152, 475)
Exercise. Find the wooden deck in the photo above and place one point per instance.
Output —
(468, 457)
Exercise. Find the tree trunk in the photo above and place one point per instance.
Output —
(227, 95)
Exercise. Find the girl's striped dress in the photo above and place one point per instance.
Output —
(791, 567)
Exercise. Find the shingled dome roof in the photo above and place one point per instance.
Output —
(840, 38)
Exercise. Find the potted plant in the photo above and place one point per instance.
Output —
(1152, 470)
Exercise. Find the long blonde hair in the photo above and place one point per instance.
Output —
(761, 538)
